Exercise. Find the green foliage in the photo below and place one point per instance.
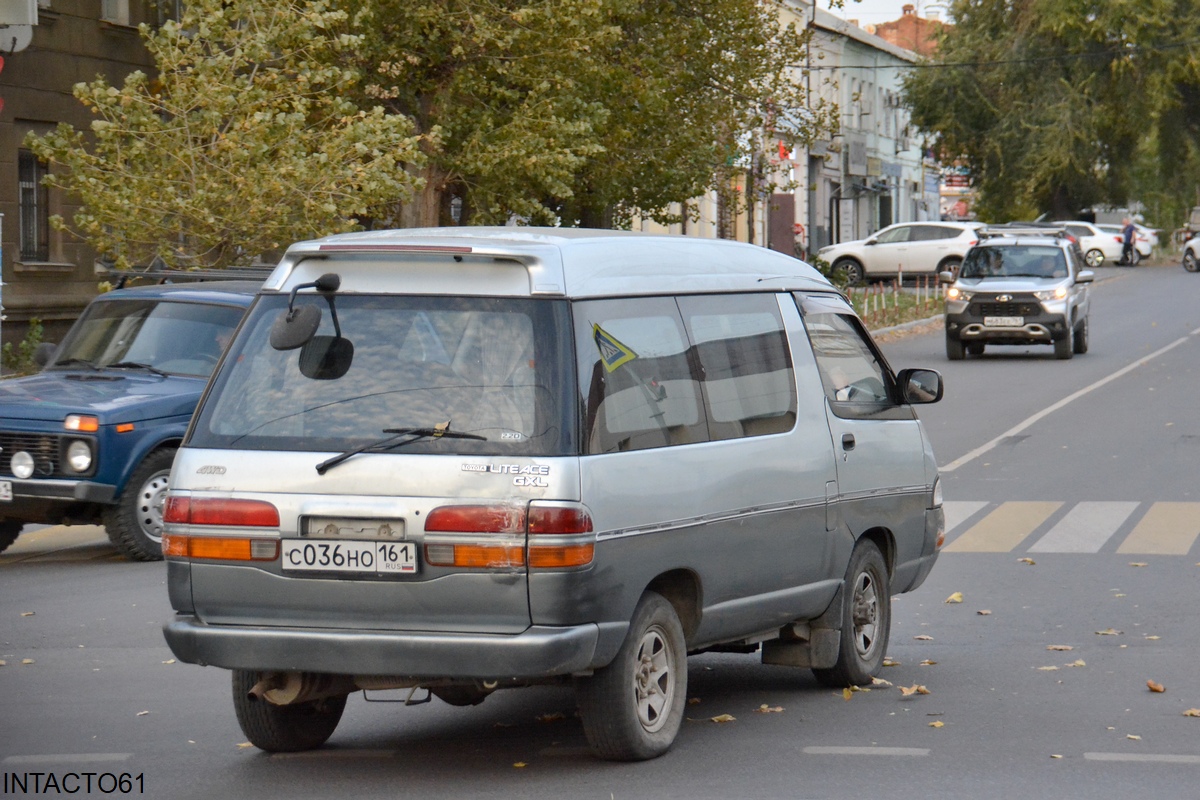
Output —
(577, 111)
(19, 361)
(247, 140)
(1057, 105)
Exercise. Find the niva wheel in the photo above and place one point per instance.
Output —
(135, 524)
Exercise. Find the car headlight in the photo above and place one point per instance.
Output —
(79, 456)
(1058, 293)
(955, 293)
(22, 464)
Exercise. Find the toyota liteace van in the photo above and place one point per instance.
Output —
(461, 460)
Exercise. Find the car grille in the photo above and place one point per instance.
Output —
(45, 449)
(1005, 309)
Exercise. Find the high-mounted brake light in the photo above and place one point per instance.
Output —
(220, 511)
(393, 248)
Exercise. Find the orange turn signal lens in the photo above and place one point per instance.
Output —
(82, 422)
(476, 556)
(551, 557)
(219, 548)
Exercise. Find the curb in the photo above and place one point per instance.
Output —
(906, 326)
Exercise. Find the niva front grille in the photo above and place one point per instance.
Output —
(44, 447)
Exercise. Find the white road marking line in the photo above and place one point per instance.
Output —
(66, 758)
(978, 451)
(1160, 758)
(1085, 528)
(959, 511)
(866, 751)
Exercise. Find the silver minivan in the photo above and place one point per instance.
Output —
(460, 460)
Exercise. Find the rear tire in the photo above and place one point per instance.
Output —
(283, 729)
(955, 350)
(1094, 258)
(9, 531)
(632, 708)
(951, 265)
(1081, 337)
(866, 620)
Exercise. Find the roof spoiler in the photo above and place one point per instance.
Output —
(1024, 229)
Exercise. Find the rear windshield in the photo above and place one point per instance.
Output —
(1015, 261)
(492, 367)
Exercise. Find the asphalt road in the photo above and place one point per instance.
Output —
(1069, 485)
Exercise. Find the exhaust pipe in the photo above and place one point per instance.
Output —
(288, 688)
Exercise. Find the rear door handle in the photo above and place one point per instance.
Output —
(847, 441)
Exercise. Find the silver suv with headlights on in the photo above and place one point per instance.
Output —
(1019, 286)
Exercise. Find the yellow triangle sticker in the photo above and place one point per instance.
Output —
(612, 351)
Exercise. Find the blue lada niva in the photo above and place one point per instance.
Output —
(90, 439)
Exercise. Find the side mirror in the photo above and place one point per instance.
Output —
(946, 277)
(1085, 276)
(871, 241)
(44, 353)
(295, 327)
(326, 358)
(920, 385)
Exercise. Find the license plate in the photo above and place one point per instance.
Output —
(6, 491)
(362, 558)
(1004, 322)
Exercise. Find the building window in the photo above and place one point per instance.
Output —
(115, 11)
(34, 208)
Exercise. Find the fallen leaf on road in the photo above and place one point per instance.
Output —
(924, 637)
(1028, 561)
(553, 716)
(1138, 564)
(1047, 669)
(1056, 756)
(694, 701)
(1192, 712)
(955, 598)
(520, 765)
(929, 662)
(244, 745)
(1154, 637)
(724, 718)
(3, 663)
(984, 613)
(1077, 663)
(26, 613)
(937, 723)
(890, 662)
(168, 661)
(27, 661)
(1133, 736)
(1109, 632)
(880, 682)
(1155, 686)
(847, 694)
(1059, 647)
(141, 713)
(916, 688)
(766, 709)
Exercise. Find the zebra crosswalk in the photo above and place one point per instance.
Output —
(1160, 528)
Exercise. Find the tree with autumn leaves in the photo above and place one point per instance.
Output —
(271, 122)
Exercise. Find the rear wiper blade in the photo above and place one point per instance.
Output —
(137, 365)
(396, 439)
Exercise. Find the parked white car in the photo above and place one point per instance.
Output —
(1142, 243)
(911, 248)
(1098, 245)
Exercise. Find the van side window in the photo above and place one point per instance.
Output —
(849, 368)
(749, 388)
(637, 381)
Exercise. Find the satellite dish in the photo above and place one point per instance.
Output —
(15, 38)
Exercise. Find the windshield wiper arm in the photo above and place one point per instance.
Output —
(70, 362)
(396, 440)
(137, 365)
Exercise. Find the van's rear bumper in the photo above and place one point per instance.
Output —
(537, 652)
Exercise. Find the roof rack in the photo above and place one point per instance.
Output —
(122, 276)
(1025, 229)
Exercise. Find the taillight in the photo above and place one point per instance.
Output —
(220, 511)
(562, 530)
(219, 548)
